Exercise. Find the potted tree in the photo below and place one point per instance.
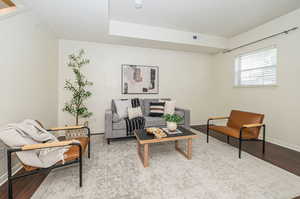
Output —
(172, 121)
(78, 87)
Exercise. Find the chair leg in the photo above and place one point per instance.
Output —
(264, 139)
(80, 166)
(10, 191)
(9, 175)
(89, 149)
(227, 139)
(264, 147)
(89, 143)
(207, 131)
(240, 147)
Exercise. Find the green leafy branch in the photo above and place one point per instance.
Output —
(76, 106)
(173, 118)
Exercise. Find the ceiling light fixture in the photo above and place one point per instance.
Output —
(138, 4)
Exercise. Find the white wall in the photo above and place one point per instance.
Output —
(28, 63)
(183, 76)
(279, 104)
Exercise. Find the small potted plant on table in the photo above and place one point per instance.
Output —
(172, 121)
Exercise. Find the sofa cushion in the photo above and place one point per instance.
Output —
(119, 125)
(155, 121)
(179, 113)
(150, 122)
(122, 107)
(116, 118)
(146, 105)
(134, 112)
(169, 106)
(157, 109)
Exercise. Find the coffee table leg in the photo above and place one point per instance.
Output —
(189, 149)
(187, 154)
(176, 144)
(138, 148)
(146, 155)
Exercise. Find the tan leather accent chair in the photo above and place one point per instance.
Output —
(77, 147)
(241, 125)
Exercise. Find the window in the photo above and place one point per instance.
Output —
(256, 68)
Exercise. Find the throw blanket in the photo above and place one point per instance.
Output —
(135, 123)
(30, 132)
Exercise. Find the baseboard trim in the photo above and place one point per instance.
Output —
(97, 133)
(15, 169)
(283, 144)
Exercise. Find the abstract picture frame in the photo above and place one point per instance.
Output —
(139, 79)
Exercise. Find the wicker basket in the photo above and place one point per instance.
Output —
(75, 133)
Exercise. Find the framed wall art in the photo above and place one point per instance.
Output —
(139, 79)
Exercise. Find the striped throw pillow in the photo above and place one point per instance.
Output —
(157, 109)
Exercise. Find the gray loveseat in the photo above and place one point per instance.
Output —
(116, 127)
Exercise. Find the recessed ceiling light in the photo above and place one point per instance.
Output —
(138, 4)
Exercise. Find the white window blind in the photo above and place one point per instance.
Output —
(256, 68)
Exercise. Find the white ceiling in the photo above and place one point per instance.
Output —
(217, 17)
(74, 19)
(88, 20)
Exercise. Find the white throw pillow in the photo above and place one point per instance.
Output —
(134, 112)
(169, 106)
(122, 107)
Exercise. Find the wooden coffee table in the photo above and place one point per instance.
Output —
(145, 139)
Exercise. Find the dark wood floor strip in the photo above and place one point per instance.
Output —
(25, 187)
(282, 157)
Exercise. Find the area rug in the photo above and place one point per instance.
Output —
(215, 172)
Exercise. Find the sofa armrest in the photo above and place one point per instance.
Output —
(187, 116)
(108, 123)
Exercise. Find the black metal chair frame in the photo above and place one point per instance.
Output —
(10, 178)
(240, 137)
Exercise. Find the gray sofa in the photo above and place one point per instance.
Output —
(116, 127)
